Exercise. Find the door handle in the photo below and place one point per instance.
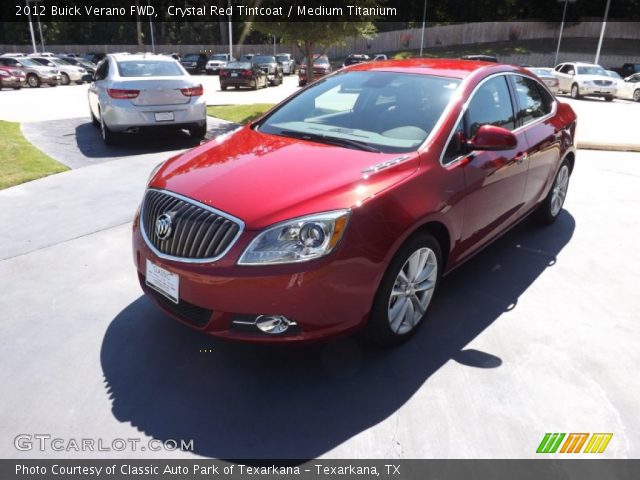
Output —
(521, 157)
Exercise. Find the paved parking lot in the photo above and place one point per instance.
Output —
(539, 333)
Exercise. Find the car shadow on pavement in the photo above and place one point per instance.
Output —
(239, 401)
(91, 145)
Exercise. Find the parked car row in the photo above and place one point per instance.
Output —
(48, 69)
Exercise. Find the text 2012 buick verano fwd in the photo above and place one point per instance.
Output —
(342, 207)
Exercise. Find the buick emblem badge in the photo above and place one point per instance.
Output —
(163, 226)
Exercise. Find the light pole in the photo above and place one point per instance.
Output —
(230, 33)
(604, 25)
(564, 14)
(33, 37)
(424, 16)
(153, 42)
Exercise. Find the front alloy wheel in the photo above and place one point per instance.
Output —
(412, 291)
(575, 91)
(406, 291)
(636, 95)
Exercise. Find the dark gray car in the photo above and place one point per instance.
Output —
(271, 67)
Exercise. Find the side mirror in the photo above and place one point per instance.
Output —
(490, 137)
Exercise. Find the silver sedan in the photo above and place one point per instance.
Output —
(131, 92)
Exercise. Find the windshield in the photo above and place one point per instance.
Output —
(27, 62)
(149, 68)
(60, 62)
(191, 57)
(595, 70)
(282, 58)
(218, 57)
(263, 59)
(613, 74)
(389, 111)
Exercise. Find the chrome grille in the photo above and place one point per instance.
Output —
(603, 82)
(199, 233)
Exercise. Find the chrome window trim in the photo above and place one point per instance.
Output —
(463, 110)
(159, 254)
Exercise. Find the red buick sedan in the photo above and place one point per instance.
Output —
(342, 207)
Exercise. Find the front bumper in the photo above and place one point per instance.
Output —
(12, 82)
(597, 90)
(325, 298)
(50, 79)
(120, 115)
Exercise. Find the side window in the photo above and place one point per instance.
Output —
(568, 69)
(531, 105)
(491, 104)
(103, 70)
(455, 148)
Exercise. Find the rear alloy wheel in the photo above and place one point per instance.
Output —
(64, 79)
(108, 137)
(406, 291)
(636, 95)
(575, 91)
(198, 133)
(552, 205)
(33, 81)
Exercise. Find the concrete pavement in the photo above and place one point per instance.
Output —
(538, 333)
(606, 125)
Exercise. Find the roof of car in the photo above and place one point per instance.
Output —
(444, 67)
(140, 56)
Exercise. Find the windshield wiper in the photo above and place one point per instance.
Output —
(342, 142)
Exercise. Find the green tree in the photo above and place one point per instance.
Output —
(317, 37)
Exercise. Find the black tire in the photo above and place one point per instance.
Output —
(94, 120)
(198, 133)
(53, 84)
(64, 79)
(223, 88)
(237, 87)
(17, 88)
(546, 213)
(33, 80)
(302, 84)
(609, 98)
(79, 82)
(575, 91)
(636, 95)
(379, 329)
(108, 137)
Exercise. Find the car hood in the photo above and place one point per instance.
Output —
(263, 179)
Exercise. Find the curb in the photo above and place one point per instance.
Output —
(617, 147)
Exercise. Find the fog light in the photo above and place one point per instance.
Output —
(273, 324)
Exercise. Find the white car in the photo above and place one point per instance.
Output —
(585, 79)
(217, 62)
(68, 73)
(131, 92)
(630, 88)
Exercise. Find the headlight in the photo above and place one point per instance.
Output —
(586, 82)
(298, 240)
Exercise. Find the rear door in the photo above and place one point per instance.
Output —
(495, 181)
(535, 107)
